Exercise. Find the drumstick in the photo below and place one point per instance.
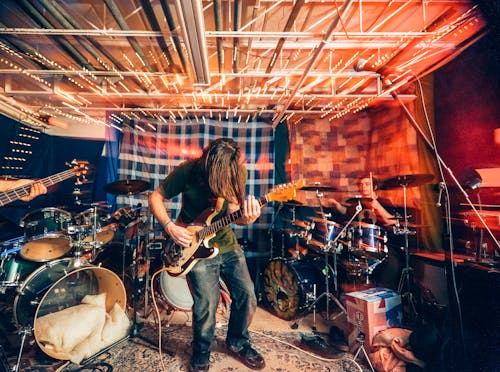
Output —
(371, 185)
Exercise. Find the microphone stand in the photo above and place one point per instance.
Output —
(441, 162)
(415, 125)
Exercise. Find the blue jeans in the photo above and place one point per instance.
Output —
(204, 280)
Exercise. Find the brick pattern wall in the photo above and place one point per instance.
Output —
(336, 153)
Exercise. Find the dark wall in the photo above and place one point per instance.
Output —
(50, 153)
(467, 104)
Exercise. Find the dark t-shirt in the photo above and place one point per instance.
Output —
(196, 198)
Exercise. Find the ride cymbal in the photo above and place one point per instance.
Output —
(127, 187)
(292, 203)
(318, 188)
(407, 180)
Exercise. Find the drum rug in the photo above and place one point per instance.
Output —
(280, 350)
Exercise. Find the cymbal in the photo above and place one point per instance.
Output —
(358, 199)
(481, 205)
(127, 187)
(318, 188)
(408, 180)
(293, 203)
(298, 223)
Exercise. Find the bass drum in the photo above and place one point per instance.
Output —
(290, 285)
(56, 286)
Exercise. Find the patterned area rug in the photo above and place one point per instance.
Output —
(279, 349)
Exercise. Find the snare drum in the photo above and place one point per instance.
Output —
(44, 234)
(292, 285)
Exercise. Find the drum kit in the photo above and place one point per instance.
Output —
(64, 256)
(295, 284)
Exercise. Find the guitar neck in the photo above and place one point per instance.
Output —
(12, 195)
(226, 220)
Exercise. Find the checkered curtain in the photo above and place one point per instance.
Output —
(151, 156)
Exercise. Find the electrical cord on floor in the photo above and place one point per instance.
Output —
(158, 316)
(302, 350)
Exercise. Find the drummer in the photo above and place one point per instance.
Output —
(375, 208)
(37, 188)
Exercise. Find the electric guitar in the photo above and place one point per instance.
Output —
(180, 260)
(78, 169)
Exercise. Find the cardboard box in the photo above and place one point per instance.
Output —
(371, 311)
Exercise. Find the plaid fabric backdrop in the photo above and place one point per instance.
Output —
(151, 156)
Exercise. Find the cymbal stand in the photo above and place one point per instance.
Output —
(24, 331)
(360, 339)
(78, 258)
(271, 234)
(406, 273)
(94, 232)
(332, 246)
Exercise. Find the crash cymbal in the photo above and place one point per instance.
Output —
(127, 187)
(318, 187)
(408, 180)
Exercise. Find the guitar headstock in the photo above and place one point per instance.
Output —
(285, 191)
(80, 168)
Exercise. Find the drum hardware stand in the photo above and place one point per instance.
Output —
(135, 328)
(270, 232)
(330, 247)
(24, 331)
(406, 273)
(360, 339)
(78, 258)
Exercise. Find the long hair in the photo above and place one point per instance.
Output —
(222, 170)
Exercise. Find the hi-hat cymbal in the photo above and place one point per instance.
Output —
(318, 188)
(127, 187)
(407, 180)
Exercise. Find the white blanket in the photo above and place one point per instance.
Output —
(81, 331)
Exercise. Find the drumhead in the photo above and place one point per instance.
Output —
(56, 286)
(289, 284)
(176, 291)
(46, 247)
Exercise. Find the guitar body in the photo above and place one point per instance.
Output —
(180, 260)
